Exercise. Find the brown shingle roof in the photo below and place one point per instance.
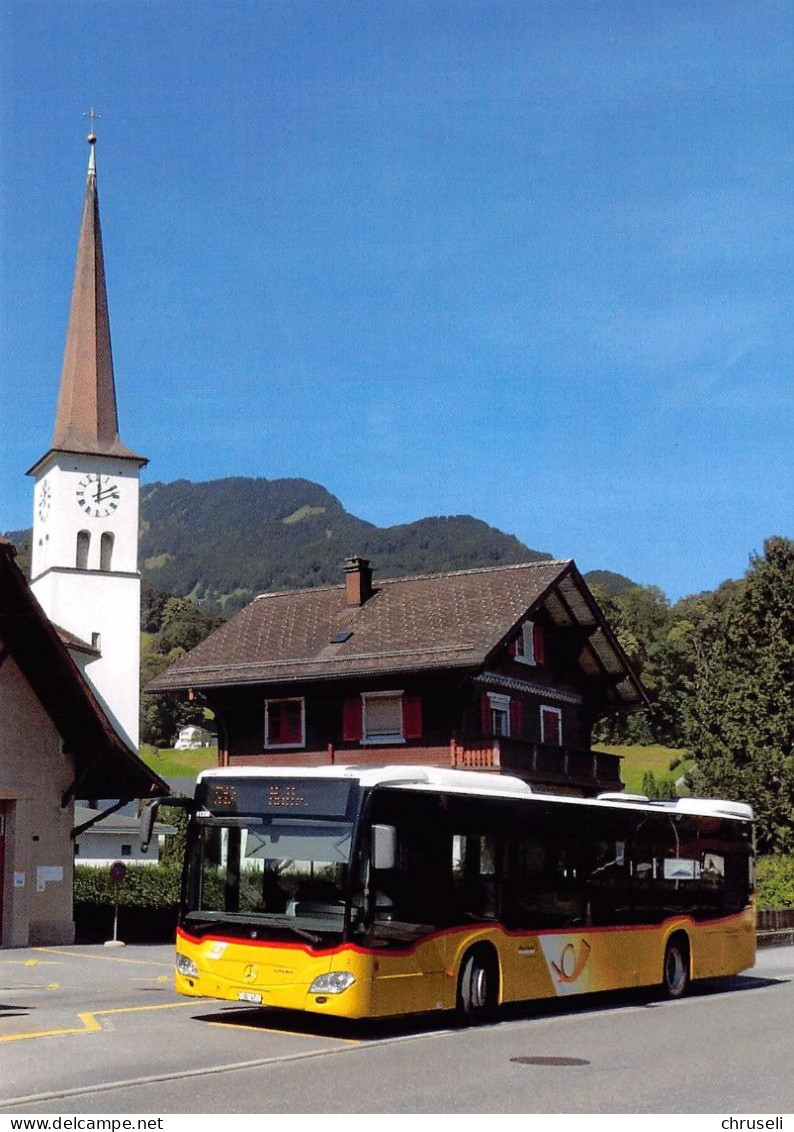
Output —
(409, 624)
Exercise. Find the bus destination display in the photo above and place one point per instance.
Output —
(311, 797)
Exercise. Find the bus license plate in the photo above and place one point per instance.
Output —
(249, 996)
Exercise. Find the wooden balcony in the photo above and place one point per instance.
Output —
(557, 769)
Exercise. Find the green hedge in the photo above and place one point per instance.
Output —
(775, 876)
(157, 886)
(144, 886)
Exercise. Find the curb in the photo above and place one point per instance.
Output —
(781, 938)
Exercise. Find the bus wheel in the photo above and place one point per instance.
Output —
(675, 973)
(478, 988)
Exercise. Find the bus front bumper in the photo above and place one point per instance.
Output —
(335, 982)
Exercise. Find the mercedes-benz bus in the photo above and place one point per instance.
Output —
(372, 892)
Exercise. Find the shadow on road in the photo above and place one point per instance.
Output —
(288, 1022)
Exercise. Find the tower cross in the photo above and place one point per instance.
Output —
(92, 116)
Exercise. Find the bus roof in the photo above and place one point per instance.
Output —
(476, 782)
(439, 777)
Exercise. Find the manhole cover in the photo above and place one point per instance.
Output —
(549, 1061)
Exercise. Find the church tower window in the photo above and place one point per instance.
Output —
(83, 547)
(106, 551)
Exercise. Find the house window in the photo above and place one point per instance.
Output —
(382, 717)
(551, 725)
(126, 850)
(285, 723)
(496, 715)
(530, 645)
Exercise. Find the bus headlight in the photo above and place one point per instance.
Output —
(333, 983)
(186, 966)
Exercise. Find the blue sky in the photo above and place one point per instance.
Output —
(528, 261)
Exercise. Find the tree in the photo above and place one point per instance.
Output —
(643, 623)
(740, 715)
(178, 626)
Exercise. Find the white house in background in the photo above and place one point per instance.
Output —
(116, 838)
(193, 737)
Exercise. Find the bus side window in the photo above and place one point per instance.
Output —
(474, 875)
(528, 898)
(607, 882)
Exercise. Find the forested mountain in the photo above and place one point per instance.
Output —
(224, 541)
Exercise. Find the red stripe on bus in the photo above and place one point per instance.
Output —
(469, 929)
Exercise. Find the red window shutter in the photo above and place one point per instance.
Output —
(485, 715)
(550, 727)
(352, 720)
(412, 717)
(539, 644)
(292, 722)
(512, 647)
(516, 716)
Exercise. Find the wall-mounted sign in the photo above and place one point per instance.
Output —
(48, 874)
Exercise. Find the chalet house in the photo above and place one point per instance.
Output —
(503, 668)
(56, 742)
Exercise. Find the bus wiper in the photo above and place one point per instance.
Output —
(215, 917)
(312, 938)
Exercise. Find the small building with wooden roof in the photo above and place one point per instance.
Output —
(56, 743)
(503, 668)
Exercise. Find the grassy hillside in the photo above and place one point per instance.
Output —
(178, 764)
(637, 761)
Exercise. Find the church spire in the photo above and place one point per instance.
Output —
(86, 419)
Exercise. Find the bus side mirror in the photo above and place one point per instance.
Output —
(147, 822)
(150, 813)
(384, 846)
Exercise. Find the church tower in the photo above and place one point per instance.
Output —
(85, 514)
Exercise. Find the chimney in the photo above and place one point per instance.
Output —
(358, 580)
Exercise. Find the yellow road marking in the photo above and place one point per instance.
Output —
(105, 958)
(89, 1021)
(35, 986)
(29, 962)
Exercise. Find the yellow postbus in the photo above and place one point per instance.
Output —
(373, 892)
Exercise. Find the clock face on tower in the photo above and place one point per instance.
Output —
(45, 498)
(98, 495)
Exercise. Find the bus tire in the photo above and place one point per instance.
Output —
(478, 987)
(675, 971)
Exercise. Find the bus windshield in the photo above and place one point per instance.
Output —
(286, 873)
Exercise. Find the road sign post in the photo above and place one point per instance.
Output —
(118, 871)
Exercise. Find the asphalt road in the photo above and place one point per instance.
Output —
(92, 1030)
